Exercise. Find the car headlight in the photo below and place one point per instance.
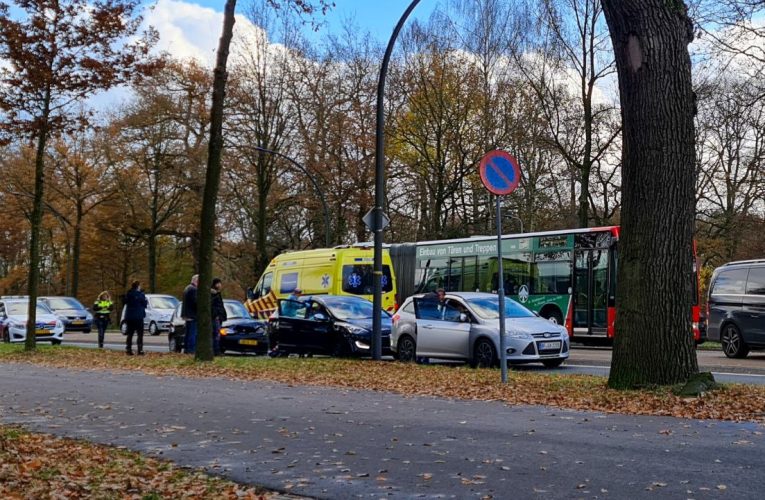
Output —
(16, 324)
(353, 329)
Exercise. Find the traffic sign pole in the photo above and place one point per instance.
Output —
(501, 175)
(501, 294)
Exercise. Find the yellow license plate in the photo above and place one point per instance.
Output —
(42, 331)
(248, 342)
(78, 322)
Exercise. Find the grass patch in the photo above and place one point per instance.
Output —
(710, 345)
(580, 392)
(36, 465)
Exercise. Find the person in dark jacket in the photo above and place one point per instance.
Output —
(189, 314)
(102, 309)
(135, 312)
(218, 313)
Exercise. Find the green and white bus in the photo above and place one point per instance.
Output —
(568, 277)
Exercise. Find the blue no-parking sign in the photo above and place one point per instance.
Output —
(500, 172)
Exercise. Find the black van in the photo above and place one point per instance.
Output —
(736, 307)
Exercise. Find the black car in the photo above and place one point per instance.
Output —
(326, 324)
(240, 332)
(736, 307)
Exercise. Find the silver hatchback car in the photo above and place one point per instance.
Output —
(466, 327)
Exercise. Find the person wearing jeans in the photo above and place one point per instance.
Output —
(218, 313)
(189, 314)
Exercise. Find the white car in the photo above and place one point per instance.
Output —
(14, 313)
(159, 314)
(466, 327)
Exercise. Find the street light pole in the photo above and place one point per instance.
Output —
(327, 239)
(380, 189)
(511, 216)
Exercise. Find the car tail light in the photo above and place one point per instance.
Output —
(224, 331)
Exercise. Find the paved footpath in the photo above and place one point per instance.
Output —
(332, 443)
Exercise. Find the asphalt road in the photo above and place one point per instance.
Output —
(333, 443)
(586, 360)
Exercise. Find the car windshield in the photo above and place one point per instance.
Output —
(57, 303)
(488, 308)
(163, 302)
(22, 309)
(235, 310)
(347, 308)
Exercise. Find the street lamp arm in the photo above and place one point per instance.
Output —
(327, 239)
(380, 188)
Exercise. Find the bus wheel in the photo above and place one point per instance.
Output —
(407, 349)
(733, 343)
(553, 315)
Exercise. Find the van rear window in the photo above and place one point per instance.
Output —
(730, 282)
(357, 279)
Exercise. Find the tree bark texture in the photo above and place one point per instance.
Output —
(33, 280)
(204, 350)
(654, 342)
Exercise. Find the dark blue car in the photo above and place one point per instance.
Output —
(326, 324)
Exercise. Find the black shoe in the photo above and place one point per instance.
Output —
(140, 353)
(129, 353)
(100, 346)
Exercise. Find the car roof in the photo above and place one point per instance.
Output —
(161, 295)
(462, 295)
(322, 298)
(744, 262)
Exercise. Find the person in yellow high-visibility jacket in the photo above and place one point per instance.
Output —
(102, 310)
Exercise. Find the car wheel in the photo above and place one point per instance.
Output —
(6, 336)
(733, 344)
(153, 330)
(407, 349)
(123, 328)
(553, 363)
(342, 349)
(86, 331)
(171, 343)
(55, 342)
(222, 351)
(484, 354)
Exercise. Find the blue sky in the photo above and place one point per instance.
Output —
(376, 16)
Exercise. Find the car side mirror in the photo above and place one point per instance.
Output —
(464, 318)
(320, 317)
(251, 294)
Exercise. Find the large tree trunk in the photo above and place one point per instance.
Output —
(212, 182)
(653, 343)
(37, 211)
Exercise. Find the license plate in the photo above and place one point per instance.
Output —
(248, 342)
(42, 331)
(78, 322)
(545, 346)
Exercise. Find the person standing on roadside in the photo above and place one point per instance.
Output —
(135, 312)
(189, 314)
(218, 313)
(102, 309)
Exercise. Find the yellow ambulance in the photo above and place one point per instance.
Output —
(343, 270)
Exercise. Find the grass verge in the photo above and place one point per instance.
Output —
(579, 392)
(36, 465)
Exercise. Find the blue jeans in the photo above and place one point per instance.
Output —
(191, 336)
(216, 337)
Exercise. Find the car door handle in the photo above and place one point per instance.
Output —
(428, 327)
